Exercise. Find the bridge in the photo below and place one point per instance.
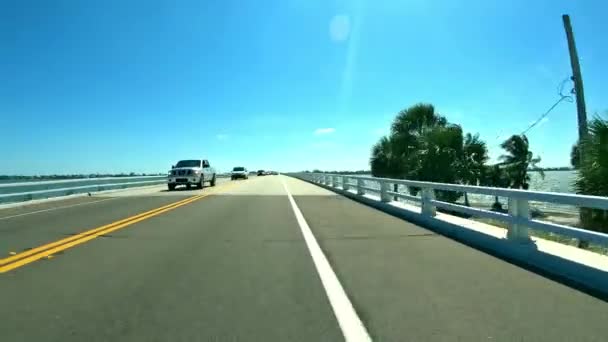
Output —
(291, 258)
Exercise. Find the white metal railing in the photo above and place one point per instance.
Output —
(76, 180)
(25, 191)
(517, 218)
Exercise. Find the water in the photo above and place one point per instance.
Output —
(554, 181)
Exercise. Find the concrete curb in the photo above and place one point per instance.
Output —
(568, 272)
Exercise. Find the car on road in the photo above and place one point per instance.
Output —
(191, 172)
(261, 172)
(239, 172)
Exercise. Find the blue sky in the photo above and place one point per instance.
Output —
(120, 86)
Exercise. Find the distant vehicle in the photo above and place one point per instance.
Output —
(191, 172)
(261, 172)
(239, 172)
(273, 173)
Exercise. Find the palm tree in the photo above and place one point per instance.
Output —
(384, 162)
(575, 156)
(437, 158)
(518, 160)
(593, 173)
(416, 120)
(424, 146)
(472, 167)
(407, 133)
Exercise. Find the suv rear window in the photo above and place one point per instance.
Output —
(238, 168)
(188, 163)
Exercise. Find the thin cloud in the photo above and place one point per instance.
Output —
(320, 131)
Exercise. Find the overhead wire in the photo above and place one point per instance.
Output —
(562, 97)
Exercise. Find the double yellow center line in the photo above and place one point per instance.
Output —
(46, 250)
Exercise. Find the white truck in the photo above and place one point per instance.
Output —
(191, 172)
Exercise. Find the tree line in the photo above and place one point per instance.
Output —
(423, 145)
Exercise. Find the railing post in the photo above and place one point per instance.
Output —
(334, 181)
(345, 183)
(384, 196)
(519, 209)
(395, 189)
(326, 179)
(428, 208)
(360, 190)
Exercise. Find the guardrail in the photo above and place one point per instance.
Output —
(517, 218)
(25, 191)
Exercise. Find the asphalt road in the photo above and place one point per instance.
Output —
(234, 265)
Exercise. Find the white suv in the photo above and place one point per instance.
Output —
(239, 172)
(191, 172)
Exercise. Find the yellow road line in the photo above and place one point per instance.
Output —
(97, 233)
(40, 252)
(83, 234)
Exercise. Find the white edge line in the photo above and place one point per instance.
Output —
(55, 208)
(350, 324)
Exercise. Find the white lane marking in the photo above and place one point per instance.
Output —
(350, 324)
(55, 208)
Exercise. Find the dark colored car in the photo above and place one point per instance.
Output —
(261, 172)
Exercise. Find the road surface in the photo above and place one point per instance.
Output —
(238, 262)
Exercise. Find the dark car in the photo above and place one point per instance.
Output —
(261, 172)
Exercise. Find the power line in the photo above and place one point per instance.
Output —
(562, 97)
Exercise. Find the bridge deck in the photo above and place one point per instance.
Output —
(234, 266)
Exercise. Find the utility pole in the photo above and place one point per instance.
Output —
(580, 101)
(578, 83)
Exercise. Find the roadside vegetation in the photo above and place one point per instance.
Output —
(593, 172)
(423, 145)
